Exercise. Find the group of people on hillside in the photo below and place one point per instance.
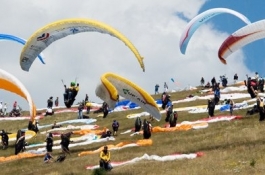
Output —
(157, 88)
(223, 80)
(3, 109)
(15, 112)
(254, 84)
(145, 126)
(65, 141)
(171, 116)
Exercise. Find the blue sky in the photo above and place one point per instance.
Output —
(254, 11)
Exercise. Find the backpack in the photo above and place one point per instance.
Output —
(147, 127)
(217, 93)
(211, 104)
(138, 121)
(115, 124)
(171, 118)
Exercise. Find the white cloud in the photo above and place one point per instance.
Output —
(151, 25)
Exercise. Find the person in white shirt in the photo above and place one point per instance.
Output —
(5, 109)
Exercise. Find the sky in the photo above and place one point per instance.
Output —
(153, 26)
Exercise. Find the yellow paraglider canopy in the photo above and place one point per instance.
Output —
(46, 35)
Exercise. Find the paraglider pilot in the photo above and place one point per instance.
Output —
(20, 143)
(147, 128)
(49, 142)
(211, 107)
(115, 127)
(137, 124)
(104, 161)
(5, 138)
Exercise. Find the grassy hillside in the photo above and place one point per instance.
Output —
(234, 147)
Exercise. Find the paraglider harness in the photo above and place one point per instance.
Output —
(173, 119)
(70, 94)
(33, 126)
(147, 130)
(252, 86)
(20, 142)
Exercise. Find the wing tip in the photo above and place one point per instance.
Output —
(223, 61)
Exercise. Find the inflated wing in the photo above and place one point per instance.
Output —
(240, 38)
(10, 83)
(198, 20)
(19, 40)
(112, 86)
(60, 29)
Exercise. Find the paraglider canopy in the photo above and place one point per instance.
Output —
(200, 19)
(240, 38)
(46, 35)
(10, 83)
(112, 84)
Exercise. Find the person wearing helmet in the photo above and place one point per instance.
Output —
(105, 159)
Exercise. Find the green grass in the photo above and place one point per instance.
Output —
(234, 147)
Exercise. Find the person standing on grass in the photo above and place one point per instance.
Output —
(235, 78)
(165, 87)
(49, 142)
(5, 109)
(202, 81)
(260, 104)
(65, 141)
(231, 106)
(137, 124)
(210, 107)
(50, 102)
(86, 98)
(173, 119)
(147, 128)
(156, 89)
(105, 108)
(80, 110)
(115, 127)
(5, 138)
(56, 102)
(88, 107)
